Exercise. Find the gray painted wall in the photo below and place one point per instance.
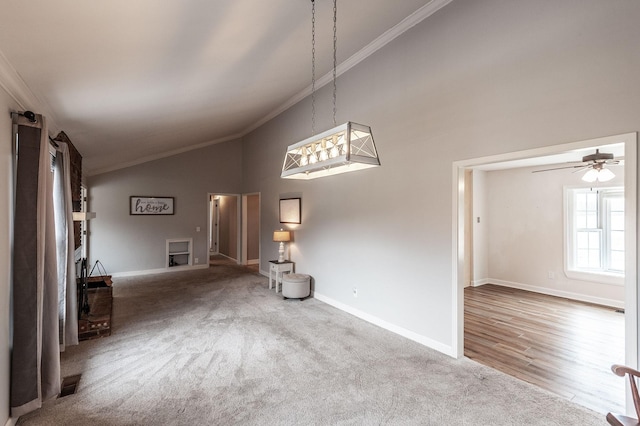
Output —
(125, 243)
(476, 79)
(6, 199)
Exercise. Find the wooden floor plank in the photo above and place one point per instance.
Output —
(564, 346)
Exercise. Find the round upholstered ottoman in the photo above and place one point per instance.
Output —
(296, 286)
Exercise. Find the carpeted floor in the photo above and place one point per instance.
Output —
(217, 347)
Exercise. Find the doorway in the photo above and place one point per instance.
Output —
(224, 225)
(463, 239)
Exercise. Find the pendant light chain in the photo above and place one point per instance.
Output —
(313, 67)
(335, 45)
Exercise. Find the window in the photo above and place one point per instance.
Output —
(595, 232)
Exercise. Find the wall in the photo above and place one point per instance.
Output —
(125, 243)
(6, 199)
(526, 231)
(476, 79)
(480, 232)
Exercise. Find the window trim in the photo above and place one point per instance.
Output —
(570, 271)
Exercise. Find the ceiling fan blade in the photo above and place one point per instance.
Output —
(559, 168)
(614, 162)
(583, 168)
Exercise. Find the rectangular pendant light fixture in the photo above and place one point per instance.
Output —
(345, 148)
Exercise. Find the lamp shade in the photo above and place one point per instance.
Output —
(281, 236)
(344, 148)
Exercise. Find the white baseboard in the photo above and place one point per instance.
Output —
(265, 273)
(11, 422)
(423, 340)
(253, 262)
(159, 270)
(478, 283)
(559, 293)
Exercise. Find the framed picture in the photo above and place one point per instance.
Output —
(142, 206)
(290, 210)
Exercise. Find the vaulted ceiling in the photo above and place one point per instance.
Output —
(133, 80)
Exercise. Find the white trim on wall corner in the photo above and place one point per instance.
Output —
(423, 340)
(158, 271)
(11, 422)
(478, 283)
(559, 293)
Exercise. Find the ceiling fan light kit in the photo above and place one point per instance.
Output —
(598, 175)
(596, 165)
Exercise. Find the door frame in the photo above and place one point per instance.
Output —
(238, 226)
(213, 211)
(631, 243)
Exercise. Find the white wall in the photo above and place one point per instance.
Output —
(480, 229)
(125, 243)
(6, 199)
(476, 79)
(526, 233)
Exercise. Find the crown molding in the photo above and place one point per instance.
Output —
(407, 23)
(18, 90)
(99, 171)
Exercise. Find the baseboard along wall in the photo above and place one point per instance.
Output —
(159, 270)
(418, 338)
(552, 292)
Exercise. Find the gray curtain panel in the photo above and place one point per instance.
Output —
(67, 297)
(35, 356)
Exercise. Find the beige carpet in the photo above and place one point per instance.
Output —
(217, 347)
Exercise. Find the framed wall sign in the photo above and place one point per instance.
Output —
(141, 205)
(290, 210)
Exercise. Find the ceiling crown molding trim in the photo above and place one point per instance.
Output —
(15, 87)
(407, 23)
(112, 168)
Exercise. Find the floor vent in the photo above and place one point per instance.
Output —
(620, 311)
(69, 385)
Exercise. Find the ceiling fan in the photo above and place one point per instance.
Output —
(595, 166)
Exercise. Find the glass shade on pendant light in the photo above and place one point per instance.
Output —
(345, 148)
(598, 174)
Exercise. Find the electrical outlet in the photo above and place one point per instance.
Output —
(355, 292)
(196, 260)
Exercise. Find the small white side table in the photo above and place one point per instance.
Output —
(276, 269)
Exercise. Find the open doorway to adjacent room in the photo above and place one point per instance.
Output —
(224, 232)
(531, 319)
(234, 229)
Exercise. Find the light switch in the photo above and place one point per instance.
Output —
(197, 229)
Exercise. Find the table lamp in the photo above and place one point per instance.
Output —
(281, 237)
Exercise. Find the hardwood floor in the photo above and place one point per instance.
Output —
(563, 346)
